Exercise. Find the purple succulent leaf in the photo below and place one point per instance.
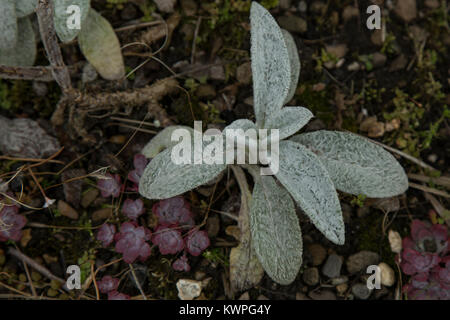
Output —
(131, 242)
(112, 186)
(417, 262)
(169, 241)
(140, 162)
(429, 238)
(134, 176)
(173, 211)
(11, 223)
(442, 274)
(106, 234)
(420, 230)
(133, 208)
(114, 295)
(420, 280)
(108, 284)
(181, 264)
(196, 242)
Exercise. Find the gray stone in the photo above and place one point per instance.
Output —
(244, 73)
(332, 267)
(359, 261)
(311, 276)
(406, 9)
(379, 60)
(350, 12)
(317, 254)
(322, 295)
(361, 291)
(285, 4)
(293, 24)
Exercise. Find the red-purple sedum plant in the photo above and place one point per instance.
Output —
(174, 233)
(131, 241)
(108, 284)
(111, 186)
(133, 208)
(174, 216)
(139, 162)
(106, 234)
(11, 222)
(425, 257)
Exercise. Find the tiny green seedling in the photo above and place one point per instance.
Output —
(311, 165)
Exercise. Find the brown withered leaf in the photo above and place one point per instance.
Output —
(245, 269)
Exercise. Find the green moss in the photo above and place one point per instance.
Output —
(370, 237)
(317, 102)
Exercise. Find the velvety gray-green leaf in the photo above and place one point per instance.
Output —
(270, 64)
(295, 63)
(356, 165)
(276, 234)
(24, 53)
(243, 124)
(163, 179)
(307, 180)
(162, 141)
(101, 47)
(25, 7)
(289, 120)
(8, 25)
(63, 15)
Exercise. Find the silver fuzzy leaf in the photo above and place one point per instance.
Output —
(62, 16)
(276, 234)
(356, 165)
(289, 120)
(25, 7)
(100, 45)
(8, 25)
(294, 62)
(24, 53)
(162, 141)
(163, 179)
(307, 180)
(270, 64)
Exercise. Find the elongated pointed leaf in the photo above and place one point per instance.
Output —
(24, 53)
(307, 180)
(270, 64)
(243, 124)
(25, 7)
(162, 141)
(8, 25)
(294, 63)
(245, 269)
(356, 165)
(276, 234)
(289, 120)
(69, 18)
(163, 179)
(100, 46)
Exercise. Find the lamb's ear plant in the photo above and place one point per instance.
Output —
(73, 19)
(311, 165)
(17, 38)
